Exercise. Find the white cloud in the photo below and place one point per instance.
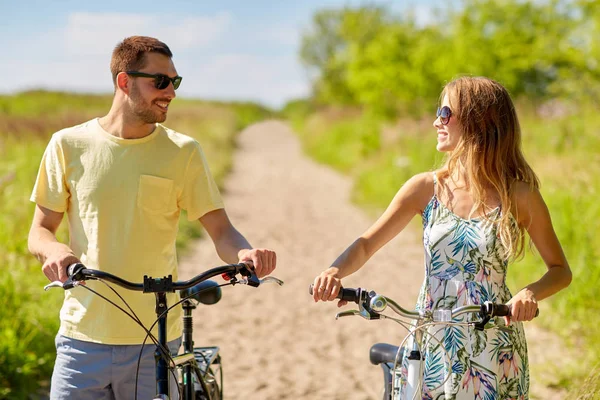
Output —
(206, 48)
(270, 80)
(91, 34)
(284, 34)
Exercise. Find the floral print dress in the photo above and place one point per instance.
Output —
(463, 266)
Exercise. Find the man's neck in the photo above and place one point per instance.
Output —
(117, 124)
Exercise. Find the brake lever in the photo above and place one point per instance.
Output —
(363, 312)
(348, 313)
(271, 279)
(368, 307)
(53, 284)
(69, 284)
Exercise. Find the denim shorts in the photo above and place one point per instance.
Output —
(93, 371)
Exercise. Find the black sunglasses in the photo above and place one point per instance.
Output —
(444, 114)
(161, 81)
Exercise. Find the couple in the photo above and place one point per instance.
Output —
(123, 178)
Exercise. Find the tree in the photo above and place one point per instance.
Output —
(325, 48)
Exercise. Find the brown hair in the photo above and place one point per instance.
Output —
(490, 151)
(130, 54)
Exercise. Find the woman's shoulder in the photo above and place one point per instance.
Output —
(422, 182)
(527, 198)
(418, 191)
(524, 191)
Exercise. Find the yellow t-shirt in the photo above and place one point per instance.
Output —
(123, 198)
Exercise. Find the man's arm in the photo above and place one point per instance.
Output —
(232, 246)
(42, 242)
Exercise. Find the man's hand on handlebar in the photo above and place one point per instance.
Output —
(263, 260)
(327, 286)
(55, 266)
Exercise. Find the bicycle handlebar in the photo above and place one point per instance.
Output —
(78, 272)
(377, 303)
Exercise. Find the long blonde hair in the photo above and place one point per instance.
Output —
(489, 152)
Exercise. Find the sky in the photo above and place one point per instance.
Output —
(244, 50)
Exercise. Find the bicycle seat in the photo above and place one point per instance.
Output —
(382, 353)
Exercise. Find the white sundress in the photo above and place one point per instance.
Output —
(463, 266)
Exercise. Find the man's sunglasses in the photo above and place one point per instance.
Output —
(161, 81)
(444, 114)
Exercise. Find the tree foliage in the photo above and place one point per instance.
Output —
(369, 57)
(326, 48)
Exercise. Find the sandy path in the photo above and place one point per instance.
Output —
(276, 343)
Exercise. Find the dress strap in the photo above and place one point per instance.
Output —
(435, 180)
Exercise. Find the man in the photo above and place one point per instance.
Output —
(122, 179)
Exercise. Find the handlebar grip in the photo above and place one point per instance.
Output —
(490, 309)
(500, 310)
(74, 275)
(347, 294)
(74, 269)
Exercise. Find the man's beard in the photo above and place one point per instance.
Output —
(141, 111)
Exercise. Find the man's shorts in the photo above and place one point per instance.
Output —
(93, 371)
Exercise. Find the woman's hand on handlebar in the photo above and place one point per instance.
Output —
(523, 306)
(263, 260)
(327, 285)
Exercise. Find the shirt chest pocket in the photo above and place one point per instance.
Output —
(155, 195)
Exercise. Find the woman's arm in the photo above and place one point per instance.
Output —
(410, 200)
(534, 215)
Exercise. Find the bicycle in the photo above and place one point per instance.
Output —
(197, 371)
(387, 356)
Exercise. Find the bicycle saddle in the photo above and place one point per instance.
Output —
(382, 353)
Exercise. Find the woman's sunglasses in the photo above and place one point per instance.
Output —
(161, 81)
(444, 114)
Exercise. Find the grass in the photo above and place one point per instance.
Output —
(564, 152)
(27, 120)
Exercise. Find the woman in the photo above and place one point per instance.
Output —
(475, 210)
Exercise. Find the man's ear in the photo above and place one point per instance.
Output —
(122, 82)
